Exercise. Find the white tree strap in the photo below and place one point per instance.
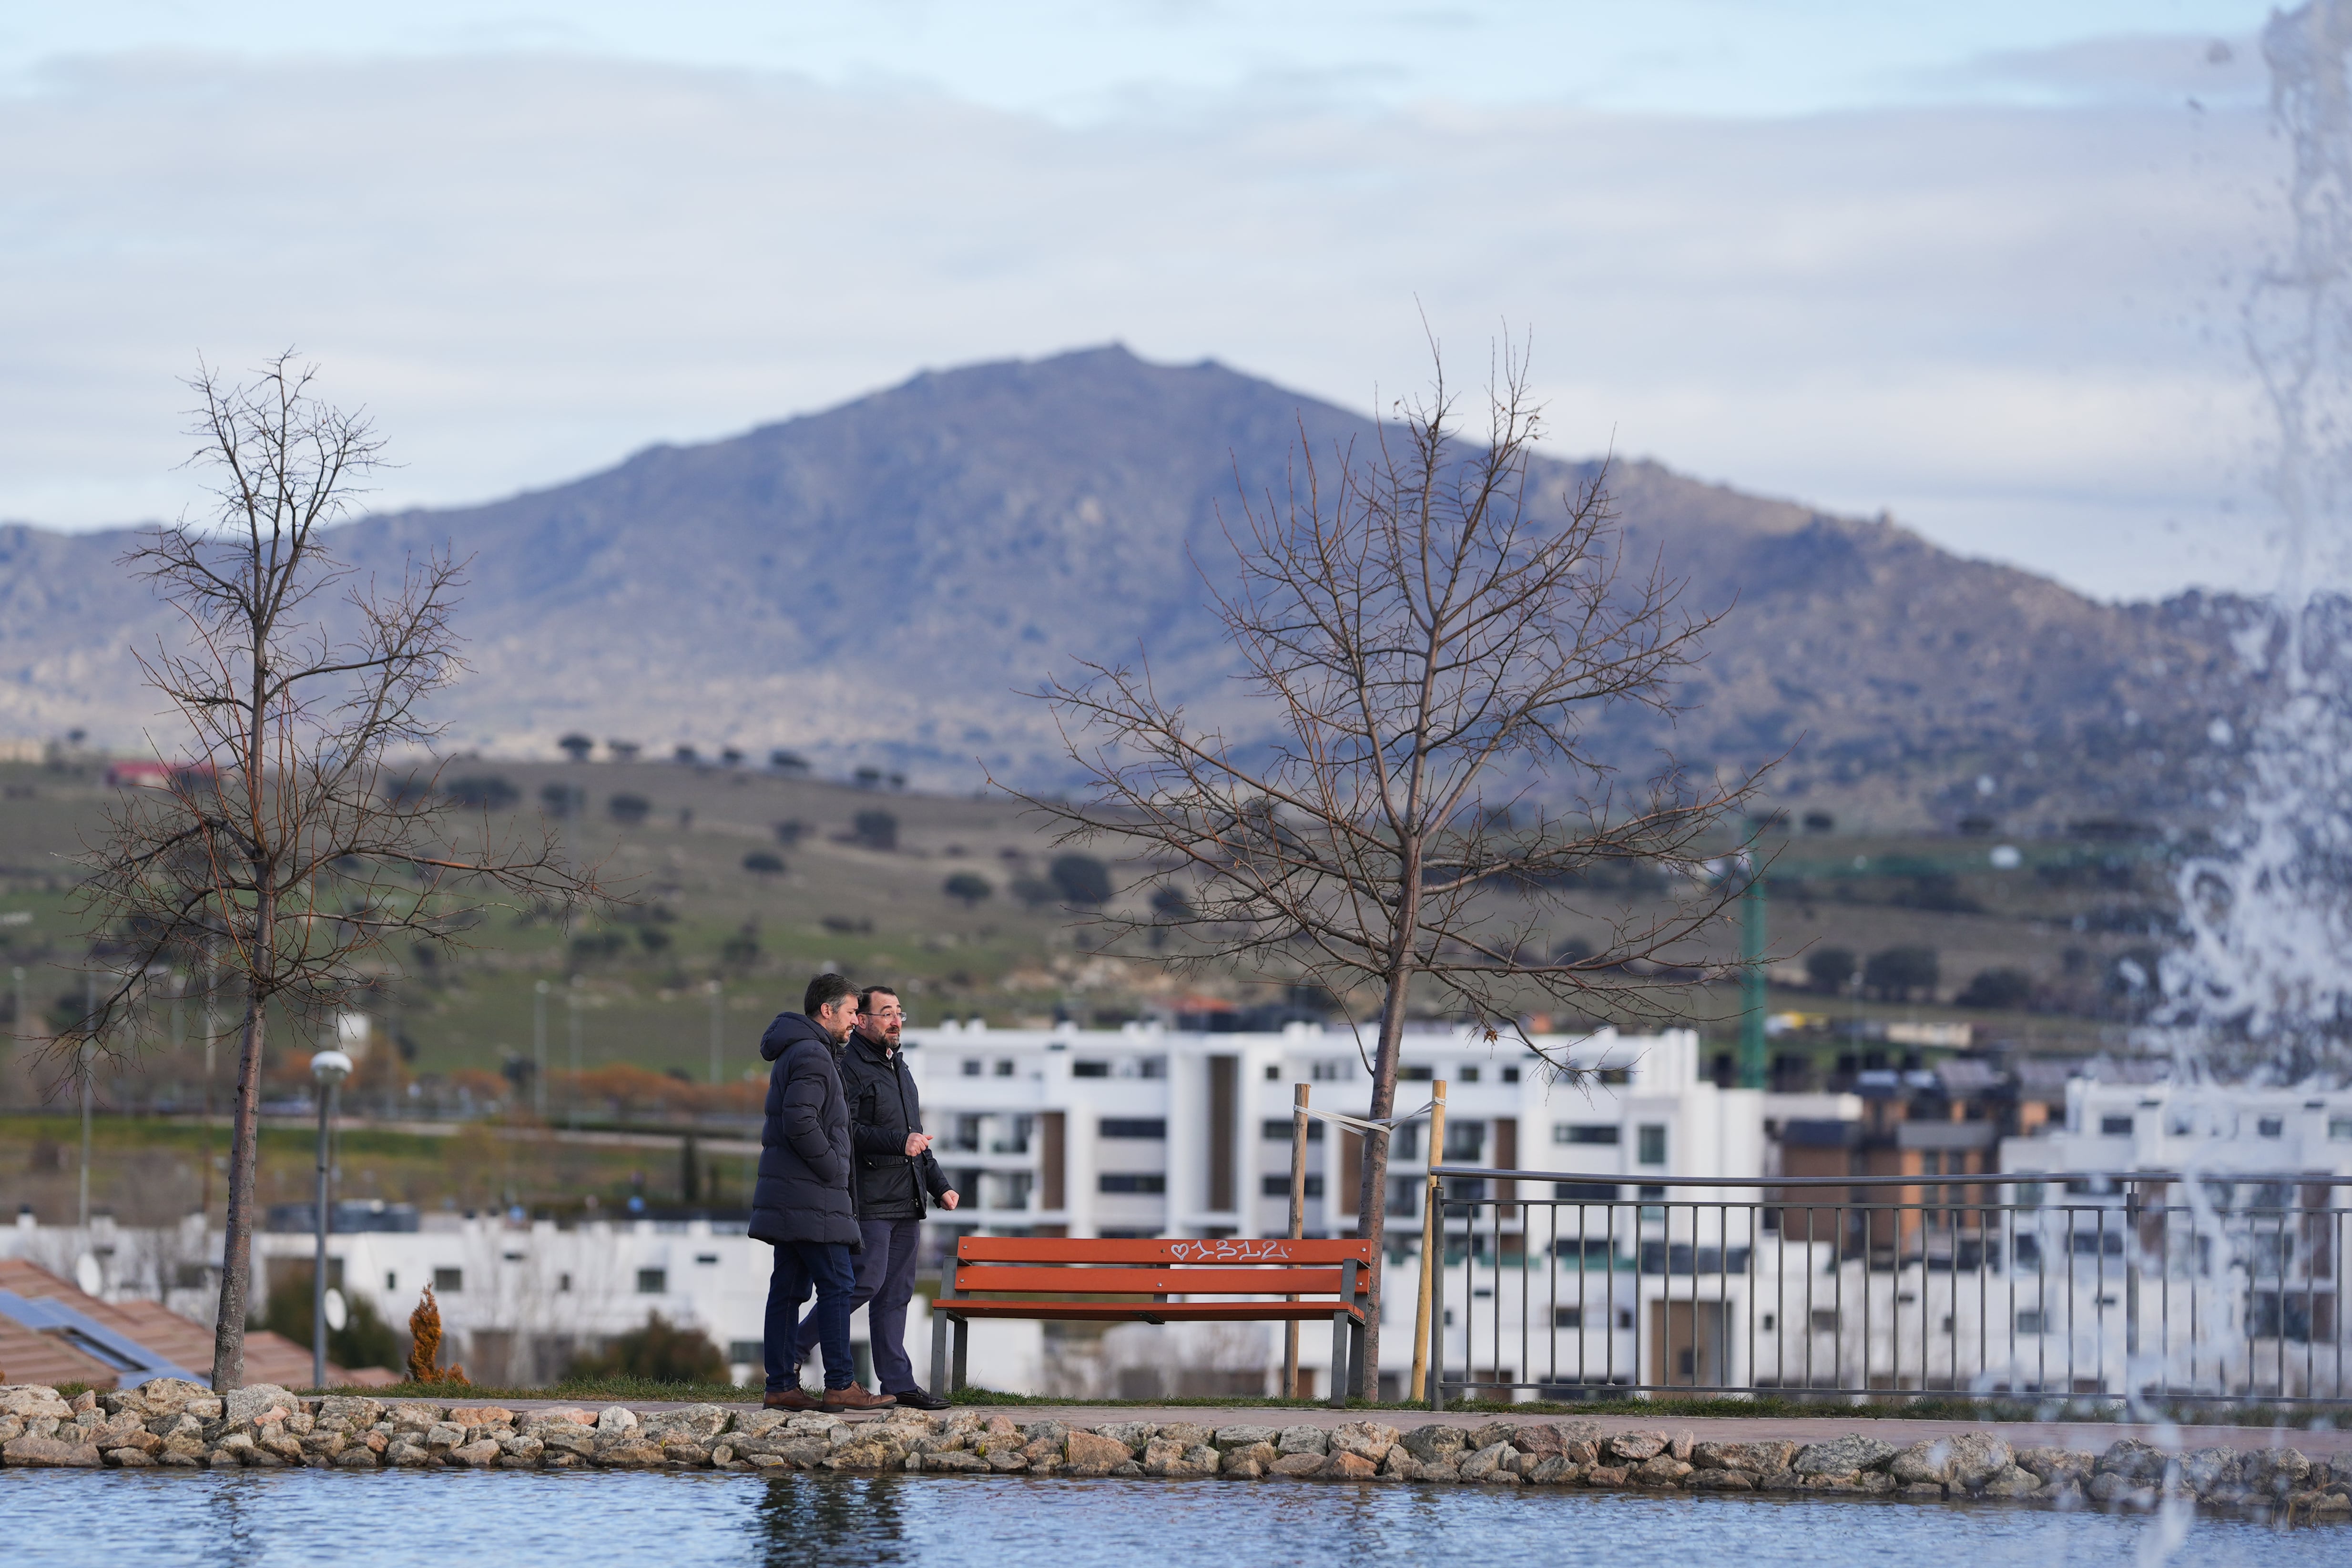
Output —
(1389, 1124)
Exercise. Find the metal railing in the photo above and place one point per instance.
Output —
(2217, 1285)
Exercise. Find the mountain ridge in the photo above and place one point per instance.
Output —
(875, 584)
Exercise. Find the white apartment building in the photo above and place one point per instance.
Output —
(2197, 1129)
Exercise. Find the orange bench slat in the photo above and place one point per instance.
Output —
(1140, 1312)
(1160, 1251)
(1116, 1280)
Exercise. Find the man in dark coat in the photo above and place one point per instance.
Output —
(895, 1172)
(802, 1205)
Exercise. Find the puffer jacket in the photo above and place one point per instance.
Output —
(802, 1192)
(883, 1110)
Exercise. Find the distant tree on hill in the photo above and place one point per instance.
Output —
(653, 939)
(764, 863)
(576, 746)
(730, 757)
(1831, 969)
(741, 950)
(628, 809)
(1899, 974)
(1819, 822)
(789, 832)
(1036, 892)
(482, 792)
(2000, 990)
(868, 778)
(562, 800)
(967, 889)
(875, 829)
(624, 751)
(785, 761)
(685, 755)
(1083, 879)
(661, 1352)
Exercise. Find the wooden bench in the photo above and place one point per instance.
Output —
(1071, 1279)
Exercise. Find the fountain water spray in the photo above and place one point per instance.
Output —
(2262, 990)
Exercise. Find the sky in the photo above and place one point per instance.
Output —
(1979, 267)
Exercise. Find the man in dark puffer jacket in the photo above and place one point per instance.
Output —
(802, 1205)
(896, 1172)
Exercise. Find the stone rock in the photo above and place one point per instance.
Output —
(614, 1419)
(1260, 1455)
(1287, 1464)
(1486, 1436)
(351, 1410)
(1401, 1465)
(1228, 1439)
(444, 1435)
(1134, 1434)
(1633, 1447)
(1728, 1481)
(2009, 1481)
(31, 1399)
(628, 1452)
(2275, 1471)
(1046, 1432)
(1678, 1446)
(1783, 1479)
(879, 1450)
(413, 1416)
(1553, 1470)
(1756, 1458)
(2117, 1489)
(1540, 1438)
(1858, 1483)
(1477, 1467)
(129, 1460)
(1300, 1440)
(33, 1453)
(1347, 1466)
(955, 1460)
(1366, 1439)
(255, 1400)
(478, 1456)
(1435, 1442)
(749, 1424)
(1583, 1450)
(1928, 1461)
(494, 1415)
(358, 1457)
(517, 1446)
(1188, 1434)
(1665, 1470)
(1169, 1456)
(1842, 1455)
(564, 1437)
(1090, 1453)
(2056, 1464)
(1920, 1491)
(2133, 1460)
(1605, 1476)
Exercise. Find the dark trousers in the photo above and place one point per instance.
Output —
(800, 1267)
(885, 1283)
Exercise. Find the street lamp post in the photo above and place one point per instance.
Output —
(327, 1068)
(539, 1051)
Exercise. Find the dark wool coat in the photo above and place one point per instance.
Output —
(805, 1152)
(883, 1110)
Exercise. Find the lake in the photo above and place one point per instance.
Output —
(249, 1518)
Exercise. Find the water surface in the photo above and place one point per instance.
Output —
(252, 1519)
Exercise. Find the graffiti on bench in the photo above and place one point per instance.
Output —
(1230, 1249)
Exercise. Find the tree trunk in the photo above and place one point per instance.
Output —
(236, 1253)
(1372, 1200)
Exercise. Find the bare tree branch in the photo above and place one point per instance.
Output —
(1433, 651)
(290, 849)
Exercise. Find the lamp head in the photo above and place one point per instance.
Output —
(330, 1067)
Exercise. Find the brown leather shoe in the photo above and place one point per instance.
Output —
(788, 1399)
(856, 1398)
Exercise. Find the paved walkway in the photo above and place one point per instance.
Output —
(2086, 1435)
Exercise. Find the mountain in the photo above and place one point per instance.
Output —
(876, 583)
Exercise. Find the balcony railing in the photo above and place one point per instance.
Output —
(2210, 1286)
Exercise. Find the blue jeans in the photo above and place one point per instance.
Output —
(885, 1283)
(802, 1266)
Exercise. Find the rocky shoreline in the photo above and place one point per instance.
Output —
(174, 1424)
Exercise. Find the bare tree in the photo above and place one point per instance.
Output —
(1417, 792)
(293, 845)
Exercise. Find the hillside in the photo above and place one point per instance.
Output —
(876, 585)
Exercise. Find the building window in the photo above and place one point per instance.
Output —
(1469, 1075)
(1005, 1069)
(1090, 1069)
(563, 1284)
(747, 1353)
(2272, 1126)
(1568, 1317)
(1134, 1127)
(1273, 1072)
(1825, 1319)
(1131, 1182)
(1587, 1192)
(449, 1281)
(1404, 1195)
(1651, 1140)
(391, 1280)
(1510, 1075)
(1583, 1133)
(1334, 1072)
(706, 1257)
(2339, 1129)
(2029, 1320)
(972, 1067)
(653, 1281)
(1279, 1186)
(1277, 1130)
(1465, 1140)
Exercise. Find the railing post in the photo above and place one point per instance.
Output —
(1297, 1229)
(1432, 1237)
(1437, 1320)
(2131, 1290)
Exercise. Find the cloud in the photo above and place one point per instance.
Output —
(2010, 325)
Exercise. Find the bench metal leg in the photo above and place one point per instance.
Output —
(1359, 1374)
(1339, 1323)
(962, 1345)
(939, 1352)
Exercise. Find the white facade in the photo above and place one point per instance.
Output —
(2195, 1129)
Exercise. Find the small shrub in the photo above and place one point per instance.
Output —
(967, 889)
(2002, 990)
(875, 829)
(628, 809)
(1831, 969)
(764, 863)
(482, 792)
(1083, 879)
